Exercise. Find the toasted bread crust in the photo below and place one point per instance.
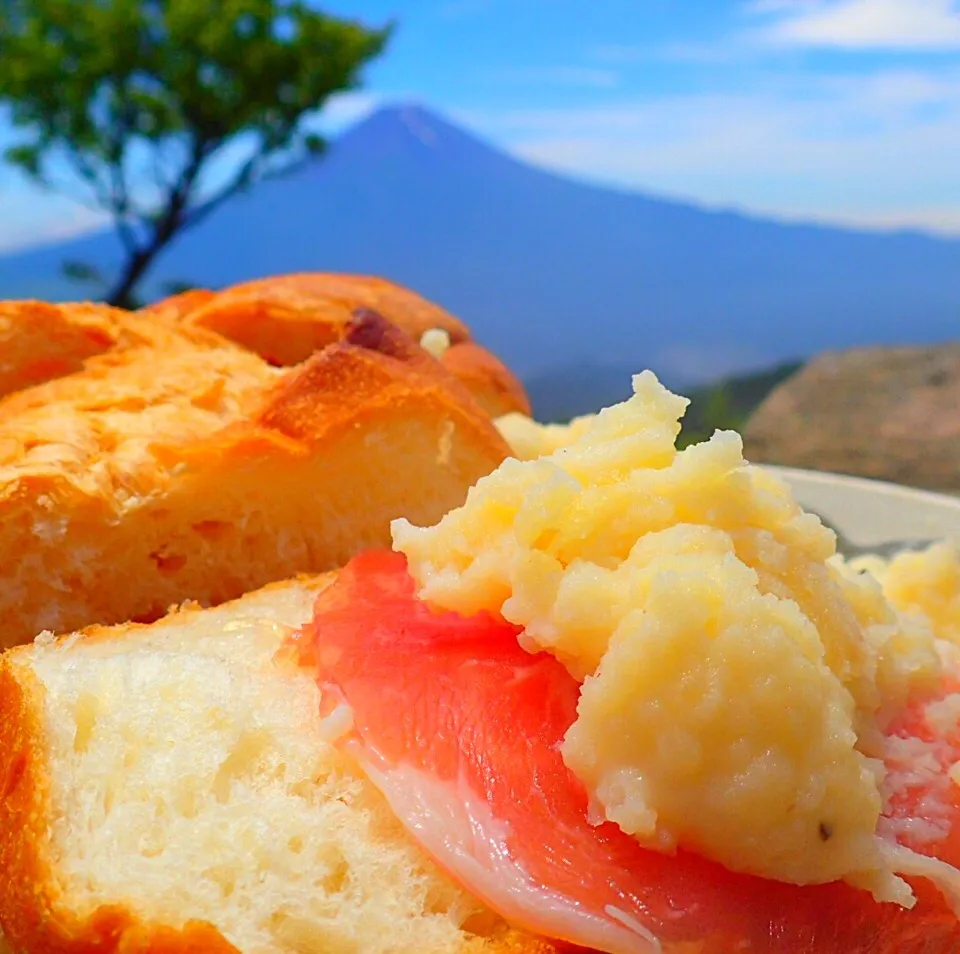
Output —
(491, 382)
(375, 367)
(178, 306)
(40, 342)
(287, 318)
(33, 915)
(141, 445)
(284, 320)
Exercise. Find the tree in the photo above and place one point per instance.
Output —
(85, 274)
(712, 408)
(159, 111)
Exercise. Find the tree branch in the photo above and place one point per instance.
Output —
(160, 179)
(252, 170)
(119, 135)
(172, 217)
(89, 175)
(240, 181)
(128, 237)
(70, 190)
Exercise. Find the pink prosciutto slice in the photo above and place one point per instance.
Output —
(460, 729)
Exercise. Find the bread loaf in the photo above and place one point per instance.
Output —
(202, 473)
(175, 307)
(40, 342)
(286, 318)
(488, 379)
(168, 789)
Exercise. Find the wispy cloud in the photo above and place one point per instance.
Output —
(880, 150)
(345, 109)
(860, 24)
(26, 222)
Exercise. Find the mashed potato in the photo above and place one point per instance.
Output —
(528, 439)
(735, 677)
(922, 585)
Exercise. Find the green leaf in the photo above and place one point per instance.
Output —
(25, 157)
(315, 145)
(82, 272)
(114, 87)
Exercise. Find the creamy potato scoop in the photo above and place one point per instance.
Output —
(735, 681)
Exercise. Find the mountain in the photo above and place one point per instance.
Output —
(728, 403)
(560, 277)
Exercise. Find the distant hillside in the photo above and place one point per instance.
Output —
(889, 414)
(550, 272)
(727, 404)
(582, 389)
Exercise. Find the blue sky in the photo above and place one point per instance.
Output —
(838, 110)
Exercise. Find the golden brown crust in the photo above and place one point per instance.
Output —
(287, 318)
(40, 342)
(491, 382)
(144, 376)
(156, 464)
(376, 366)
(177, 307)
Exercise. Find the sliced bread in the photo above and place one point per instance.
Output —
(168, 789)
(204, 473)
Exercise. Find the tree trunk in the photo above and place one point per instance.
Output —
(122, 293)
(165, 227)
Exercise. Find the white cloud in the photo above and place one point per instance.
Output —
(881, 150)
(936, 219)
(861, 24)
(32, 218)
(345, 109)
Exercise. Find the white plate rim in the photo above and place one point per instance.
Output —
(871, 512)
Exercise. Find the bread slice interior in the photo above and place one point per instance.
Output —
(177, 773)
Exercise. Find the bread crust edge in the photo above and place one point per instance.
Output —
(32, 916)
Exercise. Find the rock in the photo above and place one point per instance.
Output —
(887, 413)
